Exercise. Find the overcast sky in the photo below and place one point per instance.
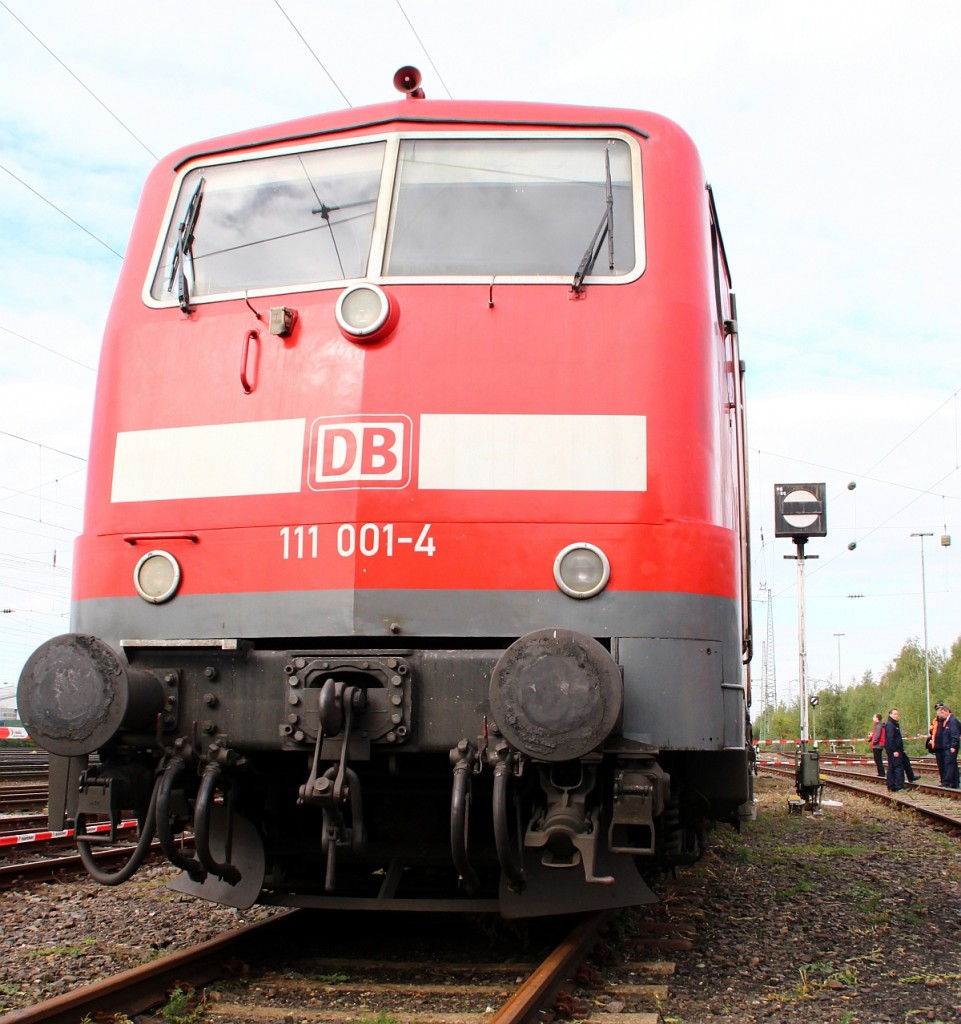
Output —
(826, 129)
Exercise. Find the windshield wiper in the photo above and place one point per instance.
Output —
(184, 248)
(605, 228)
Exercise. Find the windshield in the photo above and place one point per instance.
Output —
(460, 207)
(276, 222)
(507, 206)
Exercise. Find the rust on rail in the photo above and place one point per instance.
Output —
(542, 986)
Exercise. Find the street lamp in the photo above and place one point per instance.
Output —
(839, 635)
(924, 610)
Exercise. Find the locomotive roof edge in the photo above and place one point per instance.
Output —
(477, 114)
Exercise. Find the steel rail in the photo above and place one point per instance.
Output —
(140, 988)
(873, 793)
(875, 780)
(25, 796)
(54, 868)
(541, 988)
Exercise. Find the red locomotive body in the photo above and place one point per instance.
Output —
(415, 534)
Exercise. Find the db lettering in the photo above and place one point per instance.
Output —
(362, 452)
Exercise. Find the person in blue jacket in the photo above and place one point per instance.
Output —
(935, 741)
(894, 748)
(950, 736)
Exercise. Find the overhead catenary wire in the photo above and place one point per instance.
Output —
(919, 492)
(874, 529)
(63, 213)
(852, 474)
(41, 444)
(430, 59)
(79, 81)
(326, 71)
(47, 348)
(311, 51)
(27, 492)
(141, 143)
(952, 397)
(37, 497)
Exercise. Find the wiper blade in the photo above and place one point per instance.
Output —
(184, 248)
(604, 229)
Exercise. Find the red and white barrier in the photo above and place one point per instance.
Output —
(821, 743)
(66, 833)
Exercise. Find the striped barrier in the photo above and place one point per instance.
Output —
(823, 761)
(821, 743)
(66, 833)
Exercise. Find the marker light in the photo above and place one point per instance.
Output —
(581, 570)
(157, 577)
(364, 313)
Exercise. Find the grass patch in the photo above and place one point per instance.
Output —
(183, 1006)
(75, 949)
(814, 978)
(797, 889)
(741, 855)
(818, 851)
(928, 979)
(911, 917)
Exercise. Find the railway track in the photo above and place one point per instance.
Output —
(451, 987)
(19, 873)
(30, 852)
(13, 798)
(761, 917)
(933, 807)
(142, 988)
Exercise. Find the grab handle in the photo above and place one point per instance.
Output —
(245, 382)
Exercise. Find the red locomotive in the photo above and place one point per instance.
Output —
(414, 563)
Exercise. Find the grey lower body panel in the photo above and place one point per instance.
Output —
(680, 653)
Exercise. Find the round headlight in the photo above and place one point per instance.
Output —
(157, 577)
(581, 570)
(362, 310)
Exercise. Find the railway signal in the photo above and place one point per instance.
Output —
(800, 512)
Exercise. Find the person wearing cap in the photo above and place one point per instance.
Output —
(894, 748)
(935, 740)
(951, 730)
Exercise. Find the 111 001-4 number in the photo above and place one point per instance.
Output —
(367, 539)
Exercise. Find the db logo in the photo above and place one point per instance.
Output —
(360, 451)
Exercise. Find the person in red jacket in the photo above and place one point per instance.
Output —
(935, 740)
(876, 741)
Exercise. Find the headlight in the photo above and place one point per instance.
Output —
(363, 312)
(581, 570)
(157, 577)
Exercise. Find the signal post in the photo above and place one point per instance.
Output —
(800, 513)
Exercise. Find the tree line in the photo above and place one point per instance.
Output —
(847, 712)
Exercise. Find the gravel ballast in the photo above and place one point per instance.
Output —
(851, 917)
